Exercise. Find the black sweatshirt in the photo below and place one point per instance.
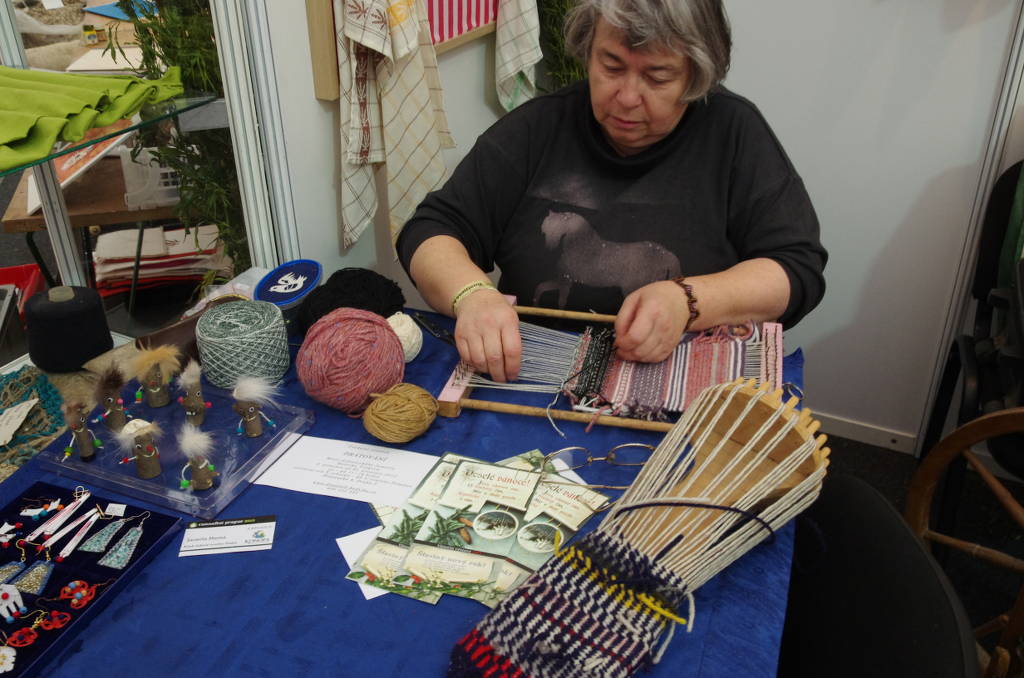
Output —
(571, 224)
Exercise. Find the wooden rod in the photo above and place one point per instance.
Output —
(566, 315)
(1002, 494)
(978, 551)
(582, 417)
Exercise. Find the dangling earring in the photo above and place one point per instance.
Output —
(98, 542)
(33, 580)
(121, 552)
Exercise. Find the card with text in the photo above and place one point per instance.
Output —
(228, 536)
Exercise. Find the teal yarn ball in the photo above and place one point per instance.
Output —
(242, 339)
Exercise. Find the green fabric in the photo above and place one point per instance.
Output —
(39, 107)
(1013, 242)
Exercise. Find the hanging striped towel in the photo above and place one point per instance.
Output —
(391, 110)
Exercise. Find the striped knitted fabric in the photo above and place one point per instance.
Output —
(598, 608)
(653, 390)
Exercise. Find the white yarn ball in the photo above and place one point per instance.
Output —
(409, 334)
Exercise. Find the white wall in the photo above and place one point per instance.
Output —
(884, 108)
(312, 140)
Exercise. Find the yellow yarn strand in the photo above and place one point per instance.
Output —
(619, 592)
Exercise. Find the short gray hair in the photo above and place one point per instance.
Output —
(697, 29)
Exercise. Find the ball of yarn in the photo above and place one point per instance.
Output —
(409, 334)
(400, 414)
(242, 339)
(347, 355)
(351, 288)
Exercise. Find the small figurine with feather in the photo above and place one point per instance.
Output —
(138, 440)
(192, 401)
(82, 439)
(251, 395)
(154, 368)
(196, 445)
(108, 396)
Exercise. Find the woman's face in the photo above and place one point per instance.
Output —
(636, 95)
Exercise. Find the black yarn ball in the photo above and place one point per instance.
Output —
(351, 288)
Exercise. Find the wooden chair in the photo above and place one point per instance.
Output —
(1006, 660)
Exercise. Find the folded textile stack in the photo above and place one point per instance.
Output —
(37, 108)
(168, 256)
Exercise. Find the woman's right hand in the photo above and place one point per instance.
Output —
(487, 334)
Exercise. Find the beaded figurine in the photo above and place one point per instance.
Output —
(251, 395)
(192, 402)
(82, 439)
(154, 368)
(196, 445)
(108, 396)
(138, 439)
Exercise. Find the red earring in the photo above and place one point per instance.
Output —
(56, 620)
(23, 637)
(79, 592)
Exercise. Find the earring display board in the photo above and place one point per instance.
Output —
(50, 593)
(235, 458)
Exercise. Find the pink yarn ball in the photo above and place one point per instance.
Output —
(347, 355)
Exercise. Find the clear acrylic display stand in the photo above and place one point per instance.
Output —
(238, 459)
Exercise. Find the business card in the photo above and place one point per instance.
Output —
(228, 536)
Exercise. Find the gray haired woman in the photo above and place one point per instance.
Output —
(648, 191)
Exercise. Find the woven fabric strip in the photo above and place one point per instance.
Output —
(655, 390)
(578, 615)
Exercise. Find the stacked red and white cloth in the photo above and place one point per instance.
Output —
(169, 255)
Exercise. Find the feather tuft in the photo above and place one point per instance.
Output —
(166, 357)
(194, 443)
(190, 376)
(110, 381)
(135, 428)
(255, 389)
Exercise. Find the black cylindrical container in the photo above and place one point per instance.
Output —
(66, 328)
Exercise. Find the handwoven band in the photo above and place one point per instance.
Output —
(691, 301)
(468, 290)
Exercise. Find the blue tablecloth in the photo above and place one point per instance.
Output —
(290, 611)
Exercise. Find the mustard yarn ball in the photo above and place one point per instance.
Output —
(400, 414)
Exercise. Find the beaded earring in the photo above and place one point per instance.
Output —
(11, 604)
(79, 593)
(33, 580)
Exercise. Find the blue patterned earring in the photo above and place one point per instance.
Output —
(120, 553)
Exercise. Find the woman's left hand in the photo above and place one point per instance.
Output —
(650, 322)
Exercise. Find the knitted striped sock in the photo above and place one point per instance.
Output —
(597, 608)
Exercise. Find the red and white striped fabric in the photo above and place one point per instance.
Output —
(451, 18)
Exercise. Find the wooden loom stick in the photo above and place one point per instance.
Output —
(565, 315)
(582, 417)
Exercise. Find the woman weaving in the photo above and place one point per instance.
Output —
(648, 191)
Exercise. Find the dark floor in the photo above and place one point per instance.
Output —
(985, 590)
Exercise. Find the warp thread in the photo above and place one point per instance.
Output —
(347, 355)
(408, 333)
(400, 414)
(351, 288)
(242, 339)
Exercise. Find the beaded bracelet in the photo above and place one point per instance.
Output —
(691, 301)
(468, 290)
